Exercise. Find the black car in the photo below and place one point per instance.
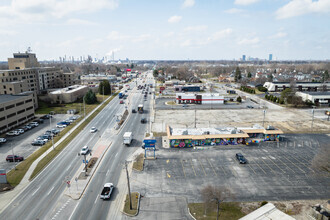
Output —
(133, 110)
(241, 158)
(143, 120)
(38, 143)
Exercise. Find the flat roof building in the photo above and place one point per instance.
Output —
(15, 110)
(68, 95)
(318, 98)
(300, 86)
(203, 98)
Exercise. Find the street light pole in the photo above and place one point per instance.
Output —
(263, 120)
(84, 107)
(312, 117)
(129, 190)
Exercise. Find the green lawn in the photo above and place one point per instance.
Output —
(134, 210)
(228, 211)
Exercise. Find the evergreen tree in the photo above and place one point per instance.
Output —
(238, 74)
(107, 89)
(249, 75)
(90, 97)
(325, 76)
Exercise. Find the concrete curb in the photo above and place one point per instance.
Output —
(138, 208)
(191, 214)
(91, 173)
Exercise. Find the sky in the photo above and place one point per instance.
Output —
(166, 29)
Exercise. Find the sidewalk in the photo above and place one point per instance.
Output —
(7, 197)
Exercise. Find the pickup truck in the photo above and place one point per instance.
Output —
(107, 190)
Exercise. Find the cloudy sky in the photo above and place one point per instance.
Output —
(166, 29)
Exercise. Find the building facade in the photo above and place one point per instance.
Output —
(205, 98)
(300, 86)
(67, 95)
(15, 110)
(318, 98)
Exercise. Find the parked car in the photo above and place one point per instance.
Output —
(61, 125)
(46, 117)
(12, 158)
(42, 139)
(241, 158)
(38, 143)
(55, 131)
(84, 150)
(20, 130)
(93, 129)
(3, 140)
(47, 136)
(73, 118)
(28, 127)
(121, 102)
(39, 121)
(12, 133)
(34, 123)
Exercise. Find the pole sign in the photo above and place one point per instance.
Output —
(3, 176)
(149, 143)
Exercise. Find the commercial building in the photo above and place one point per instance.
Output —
(267, 212)
(300, 86)
(318, 98)
(95, 79)
(67, 95)
(15, 110)
(187, 88)
(192, 137)
(205, 98)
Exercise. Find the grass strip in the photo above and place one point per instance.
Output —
(49, 157)
(134, 199)
(15, 176)
(138, 163)
(228, 210)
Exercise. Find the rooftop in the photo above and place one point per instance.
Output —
(69, 89)
(7, 98)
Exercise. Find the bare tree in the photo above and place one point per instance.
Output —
(215, 194)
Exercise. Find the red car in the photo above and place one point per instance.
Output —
(121, 102)
(12, 158)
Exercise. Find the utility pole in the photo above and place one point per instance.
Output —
(103, 93)
(129, 190)
(84, 107)
(195, 115)
(85, 164)
(263, 120)
(312, 117)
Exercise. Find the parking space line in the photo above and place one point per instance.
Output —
(259, 166)
(286, 165)
(252, 169)
(201, 166)
(307, 162)
(212, 167)
(223, 170)
(278, 166)
(295, 164)
(268, 165)
(184, 173)
(192, 165)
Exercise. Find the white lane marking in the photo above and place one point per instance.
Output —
(50, 190)
(36, 191)
(107, 173)
(116, 154)
(73, 211)
(67, 169)
(95, 200)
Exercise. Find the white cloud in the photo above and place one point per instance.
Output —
(246, 41)
(188, 3)
(186, 43)
(279, 35)
(234, 11)
(220, 34)
(79, 22)
(196, 28)
(301, 7)
(40, 9)
(245, 2)
(174, 19)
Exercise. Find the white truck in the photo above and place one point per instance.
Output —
(128, 137)
(106, 191)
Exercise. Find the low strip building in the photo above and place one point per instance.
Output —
(192, 137)
(318, 98)
(205, 98)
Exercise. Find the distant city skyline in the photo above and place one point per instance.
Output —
(167, 30)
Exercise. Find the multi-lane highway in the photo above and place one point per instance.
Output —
(44, 193)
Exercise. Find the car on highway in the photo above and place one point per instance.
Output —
(84, 150)
(12, 133)
(241, 159)
(12, 158)
(106, 191)
(3, 140)
(249, 106)
(93, 129)
(184, 105)
(121, 102)
(143, 120)
(133, 110)
(38, 143)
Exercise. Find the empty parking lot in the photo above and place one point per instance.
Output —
(275, 171)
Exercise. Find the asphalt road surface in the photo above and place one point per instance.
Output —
(44, 193)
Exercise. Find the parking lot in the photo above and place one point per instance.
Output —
(21, 145)
(274, 171)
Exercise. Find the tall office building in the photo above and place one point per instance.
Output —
(270, 57)
(243, 57)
